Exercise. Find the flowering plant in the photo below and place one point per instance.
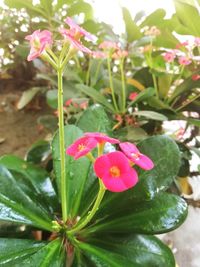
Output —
(75, 221)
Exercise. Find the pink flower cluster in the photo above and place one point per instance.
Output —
(40, 40)
(115, 168)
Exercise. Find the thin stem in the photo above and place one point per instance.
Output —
(92, 212)
(123, 85)
(63, 181)
(51, 53)
(97, 71)
(111, 85)
(188, 102)
(46, 57)
(155, 85)
(88, 71)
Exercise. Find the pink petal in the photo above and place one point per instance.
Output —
(118, 159)
(144, 162)
(128, 148)
(102, 166)
(101, 137)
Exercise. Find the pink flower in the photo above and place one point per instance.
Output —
(195, 77)
(169, 56)
(39, 40)
(102, 138)
(68, 102)
(81, 147)
(184, 61)
(115, 172)
(183, 44)
(120, 54)
(77, 31)
(108, 45)
(135, 156)
(197, 41)
(84, 105)
(98, 54)
(132, 96)
(75, 43)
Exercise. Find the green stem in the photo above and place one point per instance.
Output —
(111, 85)
(88, 72)
(46, 57)
(63, 181)
(97, 71)
(123, 85)
(155, 85)
(187, 103)
(92, 212)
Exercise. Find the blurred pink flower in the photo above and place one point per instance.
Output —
(75, 33)
(81, 147)
(68, 102)
(183, 44)
(115, 172)
(98, 54)
(102, 138)
(108, 45)
(120, 54)
(197, 41)
(134, 155)
(169, 56)
(153, 31)
(132, 96)
(195, 77)
(39, 40)
(184, 60)
(84, 105)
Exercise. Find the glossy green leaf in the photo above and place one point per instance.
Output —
(94, 119)
(150, 115)
(166, 157)
(34, 179)
(18, 203)
(98, 97)
(38, 152)
(76, 170)
(163, 213)
(132, 30)
(131, 250)
(23, 253)
(13, 250)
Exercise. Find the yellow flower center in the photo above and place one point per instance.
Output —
(115, 171)
(81, 147)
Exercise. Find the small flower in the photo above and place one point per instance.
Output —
(102, 138)
(133, 96)
(153, 31)
(39, 41)
(68, 102)
(108, 45)
(75, 33)
(169, 56)
(98, 54)
(81, 147)
(195, 77)
(184, 61)
(84, 105)
(134, 155)
(120, 54)
(115, 172)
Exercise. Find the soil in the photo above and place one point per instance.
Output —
(19, 128)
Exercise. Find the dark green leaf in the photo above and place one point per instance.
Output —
(145, 94)
(163, 213)
(93, 93)
(132, 250)
(94, 119)
(38, 152)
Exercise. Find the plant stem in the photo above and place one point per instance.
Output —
(63, 181)
(155, 85)
(188, 102)
(111, 85)
(92, 212)
(123, 85)
(88, 71)
(97, 72)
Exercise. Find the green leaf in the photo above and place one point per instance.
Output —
(154, 18)
(94, 119)
(165, 154)
(21, 204)
(150, 115)
(188, 16)
(132, 30)
(163, 213)
(38, 152)
(80, 7)
(143, 95)
(194, 121)
(132, 250)
(13, 250)
(98, 97)
(28, 95)
(76, 170)
(23, 253)
(166, 39)
(32, 177)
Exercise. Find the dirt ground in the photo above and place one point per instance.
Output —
(19, 129)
